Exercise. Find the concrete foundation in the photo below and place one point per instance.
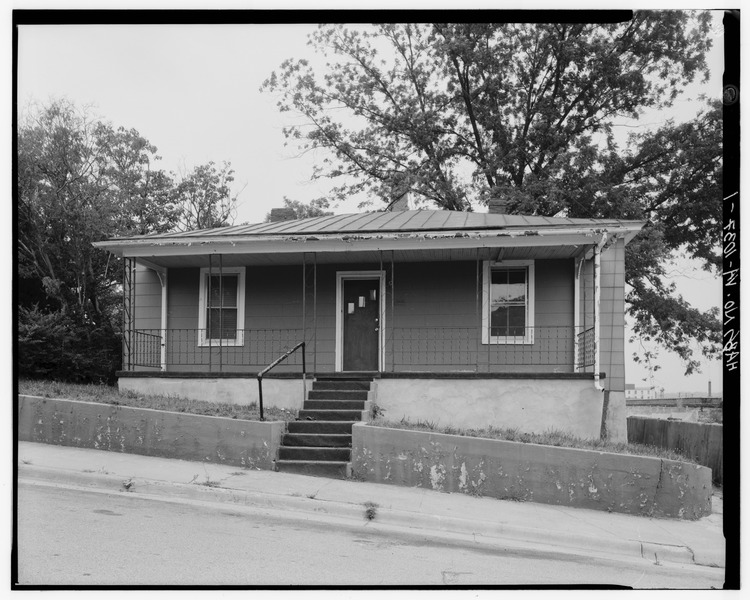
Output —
(281, 393)
(532, 405)
(249, 444)
(546, 474)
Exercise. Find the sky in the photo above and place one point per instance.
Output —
(193, 92)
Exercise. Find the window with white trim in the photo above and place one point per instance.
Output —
(508, 302)
(222, 306)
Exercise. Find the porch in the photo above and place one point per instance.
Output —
(554, 349)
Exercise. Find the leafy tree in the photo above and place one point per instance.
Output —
(80, 180)
(315, 208)
(204, 198)
(463, 113)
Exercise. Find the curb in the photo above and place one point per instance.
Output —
(482, 532)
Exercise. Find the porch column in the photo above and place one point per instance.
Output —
(597, 310)
(163, 281)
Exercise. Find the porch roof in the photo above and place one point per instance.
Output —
(413, 230)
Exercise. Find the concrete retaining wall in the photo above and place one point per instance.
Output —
(702, 442)
(532, 405)
(546, 474)
(281, 393)
(251, 444)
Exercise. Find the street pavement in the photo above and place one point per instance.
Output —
(457, 518)
(74, 536)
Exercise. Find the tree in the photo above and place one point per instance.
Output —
(316, 208)
(80, 180)
(204, 199)
(469, 112)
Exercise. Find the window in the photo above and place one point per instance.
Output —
(222, 307)
(508, 303)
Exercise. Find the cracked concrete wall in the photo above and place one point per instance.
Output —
(280, 393)
(250, 444)
(529, 472)
(532, 405)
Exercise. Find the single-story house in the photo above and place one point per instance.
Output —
(456, 318)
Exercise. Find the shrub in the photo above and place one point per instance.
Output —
(56, 345)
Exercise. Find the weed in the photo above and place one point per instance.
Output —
(376, 412)
(111, 395)
(128, 484)
(313, 495)
(371, 510)
(26, 462)
(550, 437)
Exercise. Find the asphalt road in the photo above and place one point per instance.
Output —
(69, 536)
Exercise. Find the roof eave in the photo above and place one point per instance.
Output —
(353, 242)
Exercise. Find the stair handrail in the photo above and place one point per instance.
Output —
(286, 355)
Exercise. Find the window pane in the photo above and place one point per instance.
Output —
(225, 286)
(508, 298)
(499, 321)
(222, 323)
(517, 320)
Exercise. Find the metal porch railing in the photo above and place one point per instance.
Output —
(542, 348)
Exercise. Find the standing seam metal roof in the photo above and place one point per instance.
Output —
(395, 222)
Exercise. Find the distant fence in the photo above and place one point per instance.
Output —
(702, 442)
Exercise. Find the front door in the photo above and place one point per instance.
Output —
(361, 310)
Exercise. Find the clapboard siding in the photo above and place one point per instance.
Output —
(429, 300)
(147, 306)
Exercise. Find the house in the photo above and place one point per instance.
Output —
(640, 393)
(461, 318)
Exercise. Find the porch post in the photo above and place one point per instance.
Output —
(315, 312)
(597, 309)
(393, 315)
(163, 281)
(576, 311)
(208, 314)
(479, 312)
(304, 321)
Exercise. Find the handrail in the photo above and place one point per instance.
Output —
(286, 355)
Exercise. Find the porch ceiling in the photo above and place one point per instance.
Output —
(367, 257)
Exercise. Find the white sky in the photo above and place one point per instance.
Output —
(193, 92)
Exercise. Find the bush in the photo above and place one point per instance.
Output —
(58, 346)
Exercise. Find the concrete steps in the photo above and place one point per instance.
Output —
(319, 442)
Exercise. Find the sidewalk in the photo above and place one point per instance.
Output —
(486, 520)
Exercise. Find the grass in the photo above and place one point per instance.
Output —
(111, 395)
(548, 438)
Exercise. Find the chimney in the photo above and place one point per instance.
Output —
(403, 202)
(281, 214)
(498, 206)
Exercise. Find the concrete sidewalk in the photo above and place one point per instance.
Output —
(484, 520)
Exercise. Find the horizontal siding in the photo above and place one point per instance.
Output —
(428, 298)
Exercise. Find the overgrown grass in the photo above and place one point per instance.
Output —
(548, 438)
(111, 395)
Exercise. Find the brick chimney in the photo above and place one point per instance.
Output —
(281, 214)
(498, 206)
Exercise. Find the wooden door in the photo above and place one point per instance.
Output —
(361, 335)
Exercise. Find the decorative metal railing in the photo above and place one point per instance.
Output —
(542, 349)
(550, 349)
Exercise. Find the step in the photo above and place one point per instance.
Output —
(320, 427)
(330, 415)
(314, 453)
(335, 405)
(340, 385)
(348, 376)
(337, 395)
(330, 440)
(336, 469)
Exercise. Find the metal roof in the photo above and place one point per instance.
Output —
(408, 221)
